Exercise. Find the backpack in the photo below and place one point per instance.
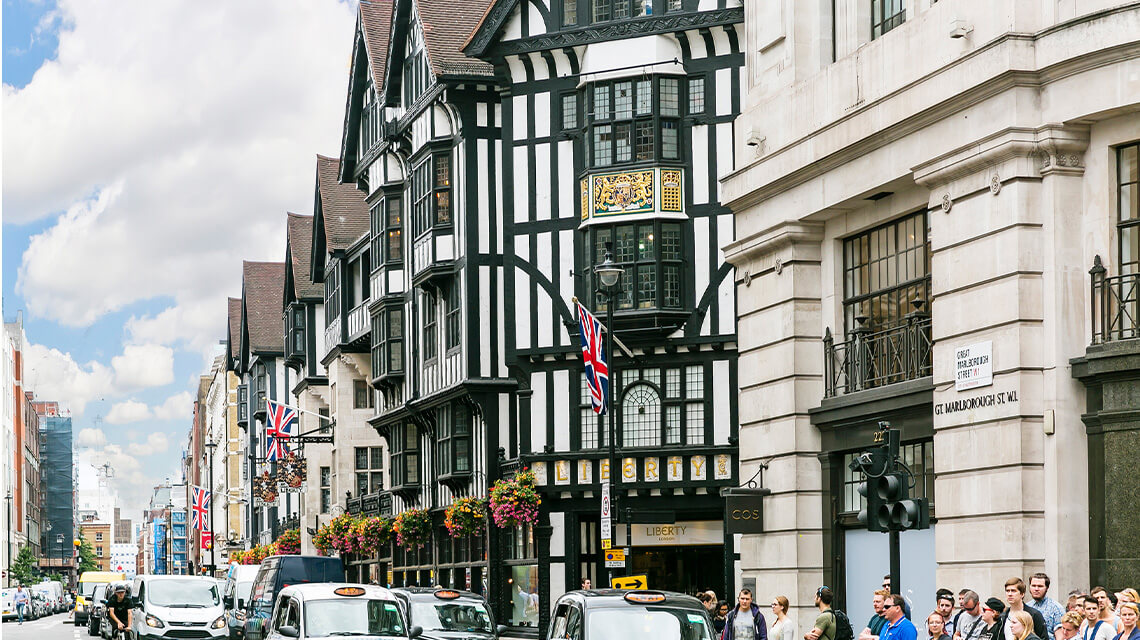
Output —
(843, 629)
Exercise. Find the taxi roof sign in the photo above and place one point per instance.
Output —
(349, 591)
(447, 594)
(644, 596)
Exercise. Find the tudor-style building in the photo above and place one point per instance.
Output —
(237, 498)
(421, 140)
(259, 363)
(304, 322)
(616, 122)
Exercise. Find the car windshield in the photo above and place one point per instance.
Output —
(190, 594)
(451, 616)
(638, 622)
(89, 588)
(352, 617)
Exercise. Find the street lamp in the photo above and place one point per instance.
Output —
(211, 445)
(609, 274)
(59, 541)
(8, 512)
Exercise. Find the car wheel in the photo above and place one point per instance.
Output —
(92, 628)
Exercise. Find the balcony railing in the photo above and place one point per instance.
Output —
(1115, 305)
(870, 359)
(332, 334)
(358, 321)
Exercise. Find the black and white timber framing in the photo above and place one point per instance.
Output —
(554, 202)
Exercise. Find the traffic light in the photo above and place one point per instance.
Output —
(869, 515)
(897, 511)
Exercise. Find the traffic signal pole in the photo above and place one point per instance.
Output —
(896, 571)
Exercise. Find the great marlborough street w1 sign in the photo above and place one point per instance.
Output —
(974, 366)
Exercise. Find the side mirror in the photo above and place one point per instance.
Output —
(502, 630)
(241, 603)
(228, 601)
(289, 631)
(416, 631)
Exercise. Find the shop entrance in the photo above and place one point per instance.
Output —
(681, 569)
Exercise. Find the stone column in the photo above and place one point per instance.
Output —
(778, 297)
(1004, 215)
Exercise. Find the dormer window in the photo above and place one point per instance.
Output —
(417, 75)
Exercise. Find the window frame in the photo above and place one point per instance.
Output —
(622, 126)
(860, 262)
(362, 387)
(324, 477)
(453, 433)
(431, 193)
(430, 326)
(295, 321)
(452, 320)
(332, 290)
(385, 347)
(400, 453)
(243, 403)
(658, 264)
(1127, 227)
(386, 232)
(881, 22)
(372, 473)
(680, 388)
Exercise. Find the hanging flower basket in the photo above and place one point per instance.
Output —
(374, 534)
(322, 540)
(515, 502)
(413, 528)
(466, 517)
(342, 532)
(289, 542)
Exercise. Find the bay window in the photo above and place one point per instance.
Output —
(634, 120)
(431, 193)
(650, 253)
(388, 342)
(453, 430)
(405, 453)
(387, 231)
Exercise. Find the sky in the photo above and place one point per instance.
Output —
(148, 149)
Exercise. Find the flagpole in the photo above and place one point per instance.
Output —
(606, 330)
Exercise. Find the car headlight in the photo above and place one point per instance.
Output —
(152, 621)
(220, 623)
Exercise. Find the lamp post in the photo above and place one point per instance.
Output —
(609, 274)
(8, 512)
(211, 445)
(59, 541)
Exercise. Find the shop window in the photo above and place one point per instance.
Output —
(523, 576)
(369, 470)
(326, 489)
(650, 253)
(630, 124)
(453, 429)
(884, 270)
(1128, 207)
(886, 15)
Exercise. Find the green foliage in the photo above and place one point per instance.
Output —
(87, 560)
(25, 568)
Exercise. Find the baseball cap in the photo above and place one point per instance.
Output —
(994, 605)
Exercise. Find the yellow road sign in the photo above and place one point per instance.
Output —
(629, 582)
(606, 542)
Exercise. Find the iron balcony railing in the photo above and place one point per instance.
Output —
(1115, 305)
(868, 359)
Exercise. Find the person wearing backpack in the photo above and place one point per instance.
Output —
(831, 624)
(745, 622)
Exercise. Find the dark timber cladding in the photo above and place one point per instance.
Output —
(616, 123)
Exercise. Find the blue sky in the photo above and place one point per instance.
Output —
(149, 148)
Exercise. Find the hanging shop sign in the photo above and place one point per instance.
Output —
(291, 474)
(974, 366)
(744, 510)
(265, 490)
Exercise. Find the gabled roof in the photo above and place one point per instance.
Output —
(341, 208)
(376, 24)
(298, 256)
(263, 284)
(233, 309)
(487, 27)
(447, 25)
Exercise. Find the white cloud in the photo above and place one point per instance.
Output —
(178, 162)
(90, 438)
(156, 442)
(54, 375)
(128, 411)
(177, 406)
(143, 366)
(128, 479)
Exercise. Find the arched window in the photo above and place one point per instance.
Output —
(641, 417)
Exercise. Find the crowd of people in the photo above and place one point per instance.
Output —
(1026, 612)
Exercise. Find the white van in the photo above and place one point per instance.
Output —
(8, 604)
(169, 607)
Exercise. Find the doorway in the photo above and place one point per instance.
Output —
(681, 569)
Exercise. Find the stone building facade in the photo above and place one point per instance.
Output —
(918, 179)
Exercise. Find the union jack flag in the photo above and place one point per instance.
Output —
(198, 508)
(279, 424)
(594, 357)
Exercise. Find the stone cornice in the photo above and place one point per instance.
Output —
(1048, 148)
(773, 239)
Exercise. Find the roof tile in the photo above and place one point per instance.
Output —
(376, 19)
(343, 209)
(263, 287)
(447, 25)
(300, 235)
(234, 309)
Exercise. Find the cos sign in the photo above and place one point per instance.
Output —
(744, 510)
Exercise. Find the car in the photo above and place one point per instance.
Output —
(235, 596)
(278, 572)
(337, 609)
(169, 607)
(618, 614)
(442, 613)
(97, 610)
(39, 605)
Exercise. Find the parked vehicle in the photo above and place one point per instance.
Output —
(54, 591)
(440, 614)
(278, 572)
(614, 614)
(169, 607)
(97, 609)
(84, 598)
(8, 604)
(235, 596)
(39, 605)
(325, 610)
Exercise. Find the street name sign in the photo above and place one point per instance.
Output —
(629, 582)
(974, 366)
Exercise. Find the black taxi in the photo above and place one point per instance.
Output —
(617, 614)
(447, 614)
